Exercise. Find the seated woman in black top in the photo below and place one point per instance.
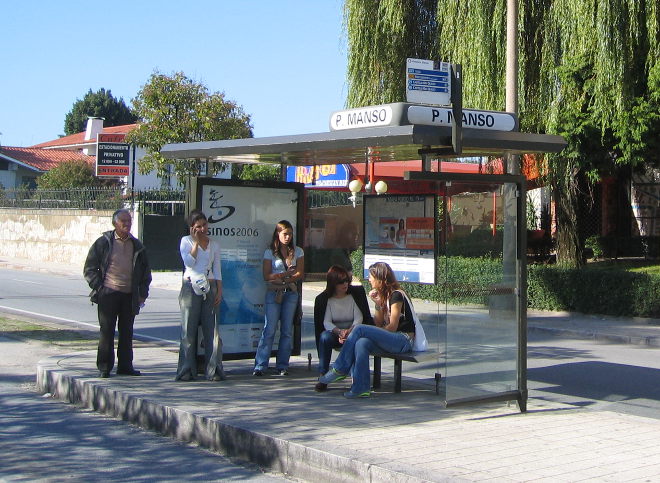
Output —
(394, 332)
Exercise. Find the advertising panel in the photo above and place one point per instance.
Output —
(242, 218)
(400, 230)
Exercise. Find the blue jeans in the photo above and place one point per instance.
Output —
(327, 342)
(196, 311)
(363, 340)
(284, 313)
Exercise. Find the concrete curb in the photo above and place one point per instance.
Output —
(233, 441)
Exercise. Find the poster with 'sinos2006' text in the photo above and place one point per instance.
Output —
(242, 220)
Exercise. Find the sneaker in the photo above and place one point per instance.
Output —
(320, 387)
(257, 372)
(282, 372)
(185, 377)
(332, 376)
(352, 395)
(104, 374)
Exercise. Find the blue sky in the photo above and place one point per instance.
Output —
(284, 61)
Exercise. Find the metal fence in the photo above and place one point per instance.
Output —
(324, 199)
(159, 202)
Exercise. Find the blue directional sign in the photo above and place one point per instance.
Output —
(428, 82)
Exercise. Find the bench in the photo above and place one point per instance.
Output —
(398, 363)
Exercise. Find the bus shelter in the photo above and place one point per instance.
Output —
(469, 228)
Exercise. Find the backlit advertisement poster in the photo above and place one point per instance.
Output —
(400, 230)
(242, 218)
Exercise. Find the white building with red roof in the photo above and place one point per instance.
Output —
(85, 144)
(22, 166)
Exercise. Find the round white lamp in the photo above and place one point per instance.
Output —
(355, 186)
(381, 187)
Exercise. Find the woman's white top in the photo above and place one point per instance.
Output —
(207, 262)
(342, 313)
(277, 265)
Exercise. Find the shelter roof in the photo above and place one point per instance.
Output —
(379, 144)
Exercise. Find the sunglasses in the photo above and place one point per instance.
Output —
(344, 280)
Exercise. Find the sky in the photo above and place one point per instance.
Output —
(283, 61)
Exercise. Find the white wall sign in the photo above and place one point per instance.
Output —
(442, 116)
(370, 116)
(428, 82)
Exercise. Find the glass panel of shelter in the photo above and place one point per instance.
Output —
(480, 285)
(473, 331)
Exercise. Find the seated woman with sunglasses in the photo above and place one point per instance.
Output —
(337, 310)
(394, 332)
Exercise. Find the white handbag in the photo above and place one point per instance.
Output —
(199, 281)
(200, 284)
(420, 344)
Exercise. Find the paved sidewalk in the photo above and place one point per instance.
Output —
(281, 423)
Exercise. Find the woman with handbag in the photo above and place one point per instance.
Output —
(199, 298)
(337, 311)
(283, 266)
(394, 332)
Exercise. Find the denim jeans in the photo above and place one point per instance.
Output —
(196, 311)
(363, 340)
(282, 313)
(327, 342)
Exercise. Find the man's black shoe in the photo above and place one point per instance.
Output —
(104, 374)
(128, 372)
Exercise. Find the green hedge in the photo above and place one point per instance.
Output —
(549, 287)
(608, 292)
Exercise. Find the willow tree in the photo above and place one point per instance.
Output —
(585, 67)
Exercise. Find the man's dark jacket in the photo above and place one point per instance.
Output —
(97, 262)
(321, 303)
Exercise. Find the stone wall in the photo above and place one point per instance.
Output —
(62, 236)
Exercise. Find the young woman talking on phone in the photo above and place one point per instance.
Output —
(283, 266)
(199, 299)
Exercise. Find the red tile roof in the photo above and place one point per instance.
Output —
(78, 139)
(42, 159)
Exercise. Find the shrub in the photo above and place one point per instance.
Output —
(463, 280)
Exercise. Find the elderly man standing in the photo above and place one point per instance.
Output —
(117, 271)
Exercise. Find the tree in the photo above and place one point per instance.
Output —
(586, 69)
(176, 109)
(76, 173)
(263, 172)
(97, 104)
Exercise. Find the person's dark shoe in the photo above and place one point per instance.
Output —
(128, 372)
(282, 372)
(320, 387)
(185, 377)
(219, 376)
(257, 372)
(104, 374)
